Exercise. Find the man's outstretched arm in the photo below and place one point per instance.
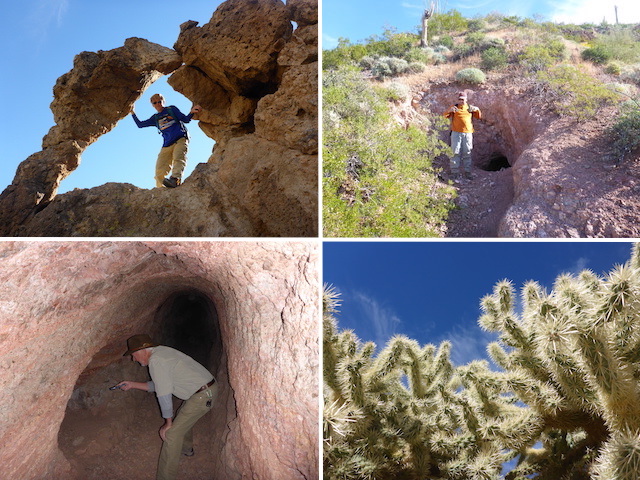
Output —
(151, 122)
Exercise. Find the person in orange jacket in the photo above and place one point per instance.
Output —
(461, 134)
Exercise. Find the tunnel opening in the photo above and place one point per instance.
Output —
(494, 162)
(114, 434)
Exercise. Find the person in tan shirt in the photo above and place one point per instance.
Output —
(173, 373)
(461, 115)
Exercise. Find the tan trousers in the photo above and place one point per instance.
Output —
(171, 159)
(179, 438)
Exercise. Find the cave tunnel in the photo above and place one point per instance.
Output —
(494, 162)
(122, 426)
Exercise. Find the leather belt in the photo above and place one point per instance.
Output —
(204, 387)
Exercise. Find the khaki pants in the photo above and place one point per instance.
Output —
(172, 156)
(179, 438)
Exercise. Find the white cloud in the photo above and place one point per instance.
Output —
(594, 11)
(329, 42)
(383, 320)
(45, 14)
(468, 344)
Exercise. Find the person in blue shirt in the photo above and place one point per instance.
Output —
(173, 155)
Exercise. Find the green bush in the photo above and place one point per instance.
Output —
(597, 54)
(476, 25)
(494, 58)
(418, 54)
(446, 23)
(541, 56)
(576, 93)
(378, 178)
(621, 44)
(471, 75)
(446, 41)
(614, 68)
(475, 39)
(631, 74)
(416, 67)
(626, 131)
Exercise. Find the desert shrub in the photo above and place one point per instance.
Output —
(446, 41)
(378, 178)
(471, 75)
(475, 39)
(367, 62)
(631, 73)
(620, 44)
(541, 56)
(417, 54)
(494, 58)
(576, 93)
(442, 49)
(476, 25)
(416, 67)
(388, 66)
(462, 50)
(446, 23)
(492, 42)
(626, 131)
(597, 54)
(438, 58)
(614, 68)
(394, 91)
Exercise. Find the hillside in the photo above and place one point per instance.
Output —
(555, 154)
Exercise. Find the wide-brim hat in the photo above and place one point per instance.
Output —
(139, 342)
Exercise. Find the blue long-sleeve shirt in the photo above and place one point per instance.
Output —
(172, 129)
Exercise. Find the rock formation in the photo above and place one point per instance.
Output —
(255, 77)
(67, 308)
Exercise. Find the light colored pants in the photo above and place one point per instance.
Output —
(171, 159)
(179, 438)
(461, 146)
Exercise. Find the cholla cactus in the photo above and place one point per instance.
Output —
(573, 356)
(407, 413)
(566, 403)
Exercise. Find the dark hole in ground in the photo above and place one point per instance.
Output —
(114, 434)
(495, 162)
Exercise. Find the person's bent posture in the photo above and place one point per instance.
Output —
(173, 373)
(461, 134)
(173, 155)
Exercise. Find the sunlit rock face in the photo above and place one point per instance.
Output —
(253, 69)
(67, 308)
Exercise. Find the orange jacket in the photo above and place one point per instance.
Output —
(462, 118)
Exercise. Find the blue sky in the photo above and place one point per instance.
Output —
(431, 291)
(359, 19)
(41, 38)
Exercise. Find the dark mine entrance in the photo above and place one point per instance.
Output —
(495, 162)
(114, 434)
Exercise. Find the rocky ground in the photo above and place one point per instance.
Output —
(120, 440)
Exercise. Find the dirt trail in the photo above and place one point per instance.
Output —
(481, 203)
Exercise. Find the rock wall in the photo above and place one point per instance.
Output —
(255, 77)
(67, 308)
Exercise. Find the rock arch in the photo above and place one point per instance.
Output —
(256, 78)
(62, 347)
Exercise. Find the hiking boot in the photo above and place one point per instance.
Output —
(171, 182)
(189, 453)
